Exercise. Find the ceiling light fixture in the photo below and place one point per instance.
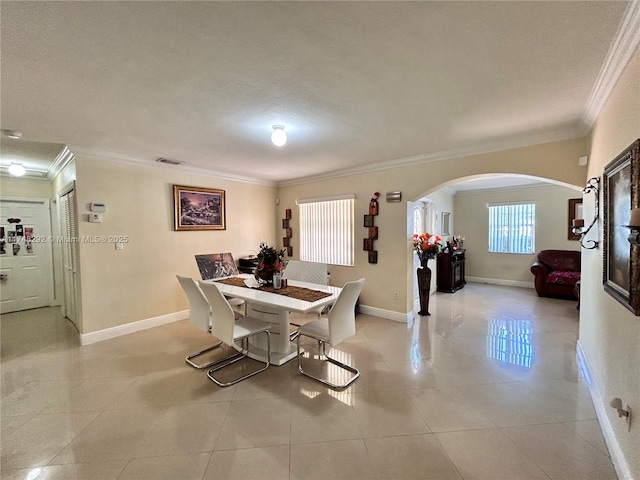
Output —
(278, 136)
(12, 134)
(17, 170)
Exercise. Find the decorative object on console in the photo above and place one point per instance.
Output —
(621, 197)
(578, 227)
(556, 273)
(427, 246)
(458, 242)
(269, 262)
(367, 244)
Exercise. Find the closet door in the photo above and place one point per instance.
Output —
(69, 254)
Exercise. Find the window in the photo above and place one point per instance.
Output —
(417, 219)
(326, 230)
(512, 228)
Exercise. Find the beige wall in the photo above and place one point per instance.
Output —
(557, 161)
(609, 333)
(472, 221)
(138, 283)
(24, 187)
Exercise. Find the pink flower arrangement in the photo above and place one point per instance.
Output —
(427, 245)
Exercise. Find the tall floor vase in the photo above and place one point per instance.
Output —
(424, 285)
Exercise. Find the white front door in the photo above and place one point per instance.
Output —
(26, 270)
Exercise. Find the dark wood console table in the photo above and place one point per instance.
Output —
(451, 271)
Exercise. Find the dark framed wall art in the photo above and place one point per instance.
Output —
(198, 208)
(621, 260)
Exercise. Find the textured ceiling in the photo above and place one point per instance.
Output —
(355, 83)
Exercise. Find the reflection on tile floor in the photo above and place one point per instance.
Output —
(487, 387)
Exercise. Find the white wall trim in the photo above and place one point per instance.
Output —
(61, 161)
(110, 157)
(387, 314)
(620, 52)
(518, 188)
(617, 457)
(113, 332)
(497, 281)
(528, 141)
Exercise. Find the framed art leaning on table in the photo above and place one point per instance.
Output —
(197, 208)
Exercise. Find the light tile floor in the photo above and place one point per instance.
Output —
(487, 387)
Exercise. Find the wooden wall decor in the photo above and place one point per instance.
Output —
(288, 232)
(367, 244)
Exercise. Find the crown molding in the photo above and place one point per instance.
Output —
(621, 50)
(517, 188)
(62, 160)
(113, 158)
(523, 141)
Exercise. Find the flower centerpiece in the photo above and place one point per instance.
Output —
(427, 246)
(269, 262)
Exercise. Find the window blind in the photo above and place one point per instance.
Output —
(326, 231)
(512, 228)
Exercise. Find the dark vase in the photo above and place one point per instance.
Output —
(424, 286)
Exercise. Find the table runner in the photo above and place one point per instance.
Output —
(299, 293)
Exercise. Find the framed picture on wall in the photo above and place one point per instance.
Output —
(621, 260)
(446, 229)
(198, 208)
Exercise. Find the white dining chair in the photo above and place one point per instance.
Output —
(199, 316)
(226, 328)
(311, 272)
(334, 329)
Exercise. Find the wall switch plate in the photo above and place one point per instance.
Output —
(119, 246)
(95, 218)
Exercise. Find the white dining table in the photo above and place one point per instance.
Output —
(274, 308)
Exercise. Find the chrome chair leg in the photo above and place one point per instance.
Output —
(202, 352)
(220, 364)
(344, 366)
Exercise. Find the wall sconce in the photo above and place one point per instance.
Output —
(578, 224)
(634, 226)
(394, 196)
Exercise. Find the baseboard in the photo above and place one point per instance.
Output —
(617, 457)
(388, 314)
(113, 332)
(497, 281)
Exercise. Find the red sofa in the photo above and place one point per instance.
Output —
(556, 273)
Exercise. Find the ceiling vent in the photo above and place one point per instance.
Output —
(169, 161)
